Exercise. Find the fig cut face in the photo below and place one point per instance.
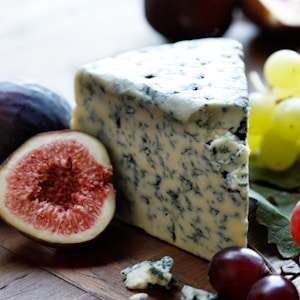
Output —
(286, 12)
(274, 15)
(57, 188)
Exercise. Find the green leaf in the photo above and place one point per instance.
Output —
(287, 180)
(275, 215)
(282, 200)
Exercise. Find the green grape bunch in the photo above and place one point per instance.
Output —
(274, 124)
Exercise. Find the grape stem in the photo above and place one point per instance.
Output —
(270, 269)
(257, 83)
(294, 275)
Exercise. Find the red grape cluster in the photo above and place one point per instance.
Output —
(240, 274)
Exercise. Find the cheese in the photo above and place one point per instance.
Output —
(149, 273)
(139, 296)
(190, 293)
(174, 120)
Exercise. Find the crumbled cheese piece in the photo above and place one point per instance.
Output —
(139, 296)
(190, 293)
(143, 274)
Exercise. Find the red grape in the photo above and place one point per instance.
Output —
(273, 287)
(234, 270)
(295, 224)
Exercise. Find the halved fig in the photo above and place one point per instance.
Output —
(57, 188)
(26, 109)
(274, 16)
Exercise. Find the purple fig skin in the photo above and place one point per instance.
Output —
(189, 19)
(26, 109)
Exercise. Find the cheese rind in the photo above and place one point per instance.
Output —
(174, 120)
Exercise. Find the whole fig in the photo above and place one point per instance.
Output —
(28, 108)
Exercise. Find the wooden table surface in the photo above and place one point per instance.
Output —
(48, 41)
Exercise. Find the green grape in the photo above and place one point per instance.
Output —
(254, 143)
(286, 118)
(281, 94)
(296, 92)
(277, 153)
(257, 83)
(282, 69)
(261, 109)
(298, 145)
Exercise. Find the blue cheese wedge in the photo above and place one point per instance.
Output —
(174, 120)
(191, 293)
(149, 273)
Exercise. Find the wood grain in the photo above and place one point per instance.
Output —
(96, 269)
(48, 41)
(22, 280)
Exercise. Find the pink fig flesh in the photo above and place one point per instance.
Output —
(57, 188)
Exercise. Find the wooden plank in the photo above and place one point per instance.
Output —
(20, 280)
(96, 268)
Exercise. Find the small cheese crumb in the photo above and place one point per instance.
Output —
(143, 274)
(190, 293)
(139, 296)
